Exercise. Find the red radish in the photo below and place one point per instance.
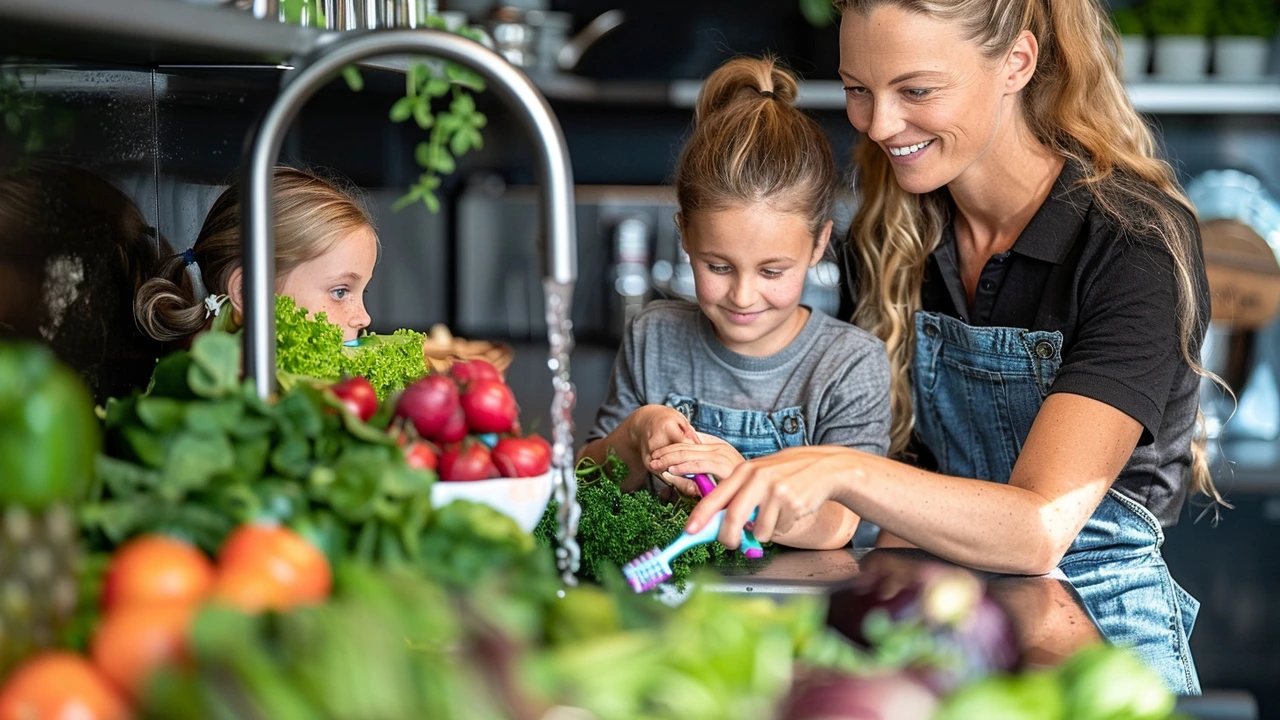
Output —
(522, 457)
(470, 461)
(470, 371)
(490, 407)
(455, 428)
(420, 456)
(428, 403)
(358, 395)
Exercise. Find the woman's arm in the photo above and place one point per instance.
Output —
(1076, 448)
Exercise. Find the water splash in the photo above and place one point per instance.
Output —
(559, 301)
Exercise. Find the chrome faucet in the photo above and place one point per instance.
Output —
(338, 50)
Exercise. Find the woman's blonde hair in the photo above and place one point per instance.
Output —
(750, 144)
(312, 215)
(1076, 105)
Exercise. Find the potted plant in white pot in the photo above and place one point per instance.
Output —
(1246, 29)
(1181, 28)
(1135, 47)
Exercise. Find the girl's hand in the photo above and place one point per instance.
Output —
(787, 486)
(709, 456)
(657, 426)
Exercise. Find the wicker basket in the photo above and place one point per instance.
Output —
(442, 350)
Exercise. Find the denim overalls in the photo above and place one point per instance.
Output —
(753, 433)
(977, 390)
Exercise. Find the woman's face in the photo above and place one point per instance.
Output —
(915, 86)
(334, 282)
(749, 267)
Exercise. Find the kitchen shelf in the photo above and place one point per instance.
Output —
(173, 33)
(147, 33)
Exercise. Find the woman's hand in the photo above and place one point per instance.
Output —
(786, 487)
(710, 455)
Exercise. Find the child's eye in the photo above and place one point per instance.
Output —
(718, 269)
(339, 293)
(769, 273)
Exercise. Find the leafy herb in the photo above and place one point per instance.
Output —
(200, 453)
(617, 527)
(312, 348)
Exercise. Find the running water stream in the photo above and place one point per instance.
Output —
(559, 300)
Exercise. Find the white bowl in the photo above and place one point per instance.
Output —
(522, 499)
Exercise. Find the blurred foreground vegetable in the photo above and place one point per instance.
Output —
(48, 440)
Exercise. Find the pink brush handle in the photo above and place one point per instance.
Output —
(704, 483)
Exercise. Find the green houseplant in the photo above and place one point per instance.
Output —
(1181, 45)
(1244, 29)
(1135, 47)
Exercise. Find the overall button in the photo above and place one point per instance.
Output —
(931, 330)
(685, 409)
(790, 424)
(1044, 349)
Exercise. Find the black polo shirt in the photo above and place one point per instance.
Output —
(1113, 297)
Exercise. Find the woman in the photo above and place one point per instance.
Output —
(1036, 274)
(325, 252)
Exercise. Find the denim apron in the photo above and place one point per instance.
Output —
(753, 433)
(977, 390)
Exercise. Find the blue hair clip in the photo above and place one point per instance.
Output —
(189, 256)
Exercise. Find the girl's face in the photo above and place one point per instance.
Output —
(749, 266)
(924, 93)
(334, 282)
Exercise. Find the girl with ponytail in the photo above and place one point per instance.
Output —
(325, 252)
(1035, 272)
(747, 371)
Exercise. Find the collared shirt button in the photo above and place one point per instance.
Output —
(987, 285)
(1044, 349)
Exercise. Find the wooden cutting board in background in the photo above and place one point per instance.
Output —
(1244, 276)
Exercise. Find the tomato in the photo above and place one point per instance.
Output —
(455, 428)
(522, 457)
(470, 371)
(133, 641)
(490, 407)
(156, 569)
(276, 553)
(358, 395)
(470, 461)
(420, 456)
(250, 591)
(428, 403)
(60, 685)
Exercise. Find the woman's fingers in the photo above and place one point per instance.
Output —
(715, 502)
(681, 484)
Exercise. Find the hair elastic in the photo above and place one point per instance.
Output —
(189, 256)
(766, 93)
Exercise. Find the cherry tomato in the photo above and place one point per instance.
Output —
(522, 457)
(469, 461)
(358, 395)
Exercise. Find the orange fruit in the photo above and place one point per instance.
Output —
(154, 569)
(282, 555)
(59, 686)
(135, 640)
